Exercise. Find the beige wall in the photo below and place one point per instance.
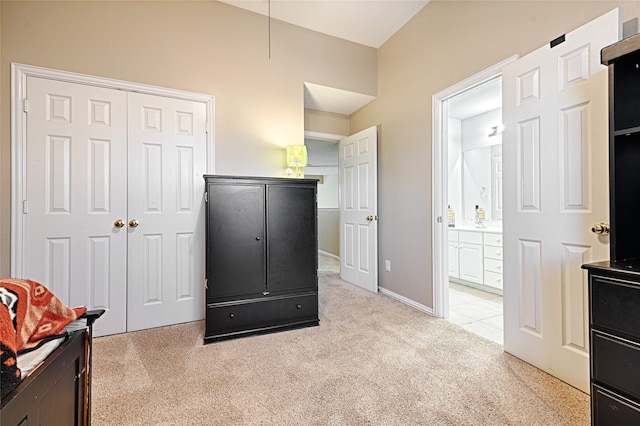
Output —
(200, 46)
(326, 122)
(446, 42)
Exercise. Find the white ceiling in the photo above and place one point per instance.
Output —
(330, 99)
(368, 22)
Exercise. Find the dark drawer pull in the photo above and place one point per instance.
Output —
(299, 306)
(232, 315)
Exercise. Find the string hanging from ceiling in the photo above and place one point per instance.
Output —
(269, 12)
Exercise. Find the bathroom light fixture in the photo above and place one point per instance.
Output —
(495, 130)
(297, 157)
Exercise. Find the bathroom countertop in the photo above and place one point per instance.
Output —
(491, 229)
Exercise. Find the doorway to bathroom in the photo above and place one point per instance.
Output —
(468, 204)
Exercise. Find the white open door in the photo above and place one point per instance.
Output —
(358, 168)
(555, 150)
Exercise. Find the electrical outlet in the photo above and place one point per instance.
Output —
(387, 265)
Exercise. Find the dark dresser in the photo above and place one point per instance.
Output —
(261, 255)
(614, 285)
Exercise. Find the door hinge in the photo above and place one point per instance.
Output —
(206, 283)
(439, 219)
(25, 206)
(25, 105)
(206, 197)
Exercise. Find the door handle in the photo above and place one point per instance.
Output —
(118, 223)
(370, 218)
(601, 228)
(134, 223)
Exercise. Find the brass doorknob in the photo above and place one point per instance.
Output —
(370, 218)
(118, 223)
(601, 228)
(134, 223)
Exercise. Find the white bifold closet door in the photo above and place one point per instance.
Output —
(113, 206)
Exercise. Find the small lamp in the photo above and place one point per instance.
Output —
(297, 157)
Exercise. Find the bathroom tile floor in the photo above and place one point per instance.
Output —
(477, 311)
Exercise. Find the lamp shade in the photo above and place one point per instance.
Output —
(296, 156)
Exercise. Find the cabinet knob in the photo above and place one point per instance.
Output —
(232, 315)
(299, 306)
(257, 238)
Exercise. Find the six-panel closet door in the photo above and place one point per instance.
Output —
(113, 207)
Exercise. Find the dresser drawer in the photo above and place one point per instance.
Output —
(493, 252)
(614, 305)
(493, 265)
(616, 363)
(252, 316)
(491, 239)
(470, 237)
(609, 408)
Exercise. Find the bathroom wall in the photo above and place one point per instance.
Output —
(454, 157)
(478, 187)
(473, 158)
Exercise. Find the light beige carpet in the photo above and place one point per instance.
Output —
(372, 361)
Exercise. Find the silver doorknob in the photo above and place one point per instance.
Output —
(601, 228)
(118, 223)
(134, 223)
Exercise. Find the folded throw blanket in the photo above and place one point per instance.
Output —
(29, 313)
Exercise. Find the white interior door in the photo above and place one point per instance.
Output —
(358, 167)
(167, 158)
(555, 147)
(75, 191)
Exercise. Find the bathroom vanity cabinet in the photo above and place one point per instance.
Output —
(475, 257)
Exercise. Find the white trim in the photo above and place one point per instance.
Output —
(439, 183)
(19, 74)
(406, 301)
(328, 254)
(326, 136)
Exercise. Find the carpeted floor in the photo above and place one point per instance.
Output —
(372, 361)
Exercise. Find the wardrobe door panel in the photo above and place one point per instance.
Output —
(292, 251)
(236, 241)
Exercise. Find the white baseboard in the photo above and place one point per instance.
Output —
(328, 254)
(406, 301)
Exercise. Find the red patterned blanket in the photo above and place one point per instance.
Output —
(29, 313)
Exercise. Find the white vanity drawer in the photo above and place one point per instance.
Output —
(493, 252)
(453, 236)
(470, 237)
(493, 265)
(491, 239)
(493, 279)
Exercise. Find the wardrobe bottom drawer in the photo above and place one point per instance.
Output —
(609, 408)
(233, 319)
(616, 362)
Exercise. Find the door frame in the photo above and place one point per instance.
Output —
(19, 104)
(439, 175)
